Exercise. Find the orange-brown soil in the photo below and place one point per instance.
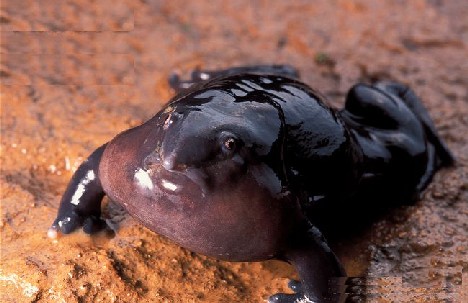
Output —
(76, 73)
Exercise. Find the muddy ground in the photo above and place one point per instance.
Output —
(76, 73)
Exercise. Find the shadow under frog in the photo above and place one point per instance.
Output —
(242, 163)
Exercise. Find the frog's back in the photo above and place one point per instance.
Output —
(321, 157)
(315, 154)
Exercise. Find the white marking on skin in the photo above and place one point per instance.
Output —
(167, 122)
(168, 185)
(304, 300)
(143, 179)
(78, 193)
(61, 222)
(90, 176)
(317, 198)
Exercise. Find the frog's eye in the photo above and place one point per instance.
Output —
(229, 143)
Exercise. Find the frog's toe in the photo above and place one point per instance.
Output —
(93, 225)
(174, 81)
(69, 222)
(65, 224)
(289, 298)
(295, 285)
(353, 292)
(297, 297)
(179, 85)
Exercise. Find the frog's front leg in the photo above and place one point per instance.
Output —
(204, 75)
(317, 266)
(81, 202)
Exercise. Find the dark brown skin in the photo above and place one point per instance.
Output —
(242, 162)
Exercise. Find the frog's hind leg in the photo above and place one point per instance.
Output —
(444, 156)
(199, 76)
(402, 133)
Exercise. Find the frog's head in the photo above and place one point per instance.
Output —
(198, 140)
(208, 169)
(213, 140)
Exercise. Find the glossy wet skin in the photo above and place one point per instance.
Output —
(210, 159)
(239, 167)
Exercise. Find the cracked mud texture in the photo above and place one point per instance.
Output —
(76, 73)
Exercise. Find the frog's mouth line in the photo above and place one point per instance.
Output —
(170, 180)
(144, 178)
(169, 185)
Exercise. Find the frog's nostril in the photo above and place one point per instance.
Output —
(155, 159)
(151, 159)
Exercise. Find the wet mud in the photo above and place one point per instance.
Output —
(76, 73)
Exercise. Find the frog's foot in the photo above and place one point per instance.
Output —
(352, 291)
(67, 223)
(297, 297)
(199, 75)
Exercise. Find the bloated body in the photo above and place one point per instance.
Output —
(240, 163)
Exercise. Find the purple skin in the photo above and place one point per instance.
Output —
(240, 164)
